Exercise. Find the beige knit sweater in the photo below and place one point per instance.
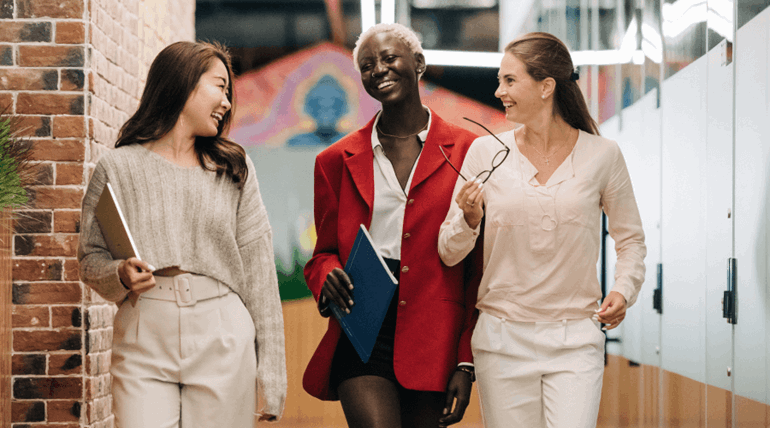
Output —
(187, 217)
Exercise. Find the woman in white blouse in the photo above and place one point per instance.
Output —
(538, 344)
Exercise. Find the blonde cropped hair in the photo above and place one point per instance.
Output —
(404, 33)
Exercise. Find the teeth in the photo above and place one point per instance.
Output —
(217, 116)
(385, 84)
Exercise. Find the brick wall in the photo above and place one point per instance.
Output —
(74, 69)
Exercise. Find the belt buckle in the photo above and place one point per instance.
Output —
(183, 290)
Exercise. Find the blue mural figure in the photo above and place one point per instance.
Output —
(326, 103)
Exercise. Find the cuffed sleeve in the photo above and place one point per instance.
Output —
(260, 294)
(625, 228)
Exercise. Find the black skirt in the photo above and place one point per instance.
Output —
(347, 363)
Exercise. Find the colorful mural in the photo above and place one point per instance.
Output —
(290, 110)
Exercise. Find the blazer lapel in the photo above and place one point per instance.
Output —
(431, 158)
(360, 163)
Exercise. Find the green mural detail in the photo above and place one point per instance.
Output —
(291, 280)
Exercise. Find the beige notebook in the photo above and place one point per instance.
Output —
(114, 228)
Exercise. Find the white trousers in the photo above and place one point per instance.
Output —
(543, 374)
(190, 367)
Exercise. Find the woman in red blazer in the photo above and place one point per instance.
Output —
(392, 177)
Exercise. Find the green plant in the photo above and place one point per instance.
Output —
(16, 171)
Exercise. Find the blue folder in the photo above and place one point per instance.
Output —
(373, 287)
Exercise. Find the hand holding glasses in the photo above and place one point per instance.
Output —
(471, 196)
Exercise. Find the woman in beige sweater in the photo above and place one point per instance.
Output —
(199, 318)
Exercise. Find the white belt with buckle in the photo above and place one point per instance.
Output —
(186, 289)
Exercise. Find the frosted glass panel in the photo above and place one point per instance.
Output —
(683, 241)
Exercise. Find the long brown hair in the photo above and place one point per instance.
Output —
(173, 76)
(545, 56)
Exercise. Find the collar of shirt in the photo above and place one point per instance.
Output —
(376, 140)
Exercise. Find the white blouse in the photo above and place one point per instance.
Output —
(541, 242)
(389, 198)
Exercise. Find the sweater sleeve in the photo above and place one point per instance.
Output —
(625, 228)
(98, 269)
(260, 294)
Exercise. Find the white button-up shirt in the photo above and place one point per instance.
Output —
(541, 242)
(389, 198)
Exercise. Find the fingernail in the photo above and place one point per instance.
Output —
(446, 411)
(151, 267)
(350, 286)
(347, 310)
(350, 302)
(604, 328)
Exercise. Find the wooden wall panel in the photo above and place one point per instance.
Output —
(684, 401)
(5, 317)
(751, 414)
(719, 407)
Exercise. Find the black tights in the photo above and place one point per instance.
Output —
(376, 402)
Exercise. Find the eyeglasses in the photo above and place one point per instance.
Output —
(496, 161)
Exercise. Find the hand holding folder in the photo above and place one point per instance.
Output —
(115, 231)
(374, 286)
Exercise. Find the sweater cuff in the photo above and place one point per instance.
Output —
(110, 287)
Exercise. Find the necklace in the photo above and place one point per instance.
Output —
(547, 158)
(401, 137)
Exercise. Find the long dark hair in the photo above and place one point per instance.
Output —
(173, 76)
(545, 56)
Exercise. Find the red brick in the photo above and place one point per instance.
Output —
(27, 411)
(28, 79)
(47, 340)
(43, 174)
(63, 411)
(70, 33)
(49, 8)
(66, 316)
(69, 173)
(30, 316)
(69, 150)
(50, 56)
(72, 80)
(47, 293)
(15, 32)
(64, 364)
(71, 270)
(58, 245)
(28, 364)
(33, 126)
(49, 103)
(54, 197)
(69, 126)
(6, 100)
(32, 221)
(37, 270)
(66, 221)
(48, 388)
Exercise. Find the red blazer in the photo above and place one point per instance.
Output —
(436, 314)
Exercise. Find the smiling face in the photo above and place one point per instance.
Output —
(519, 92)
(206, 107)
(389, 68)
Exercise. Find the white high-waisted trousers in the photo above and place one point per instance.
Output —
(538, 374)
(184, 366)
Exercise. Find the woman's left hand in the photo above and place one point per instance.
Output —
(613, 310)
(459, 389)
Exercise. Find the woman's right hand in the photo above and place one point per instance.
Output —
(471, 201)
(136, 275)
(338, 289)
